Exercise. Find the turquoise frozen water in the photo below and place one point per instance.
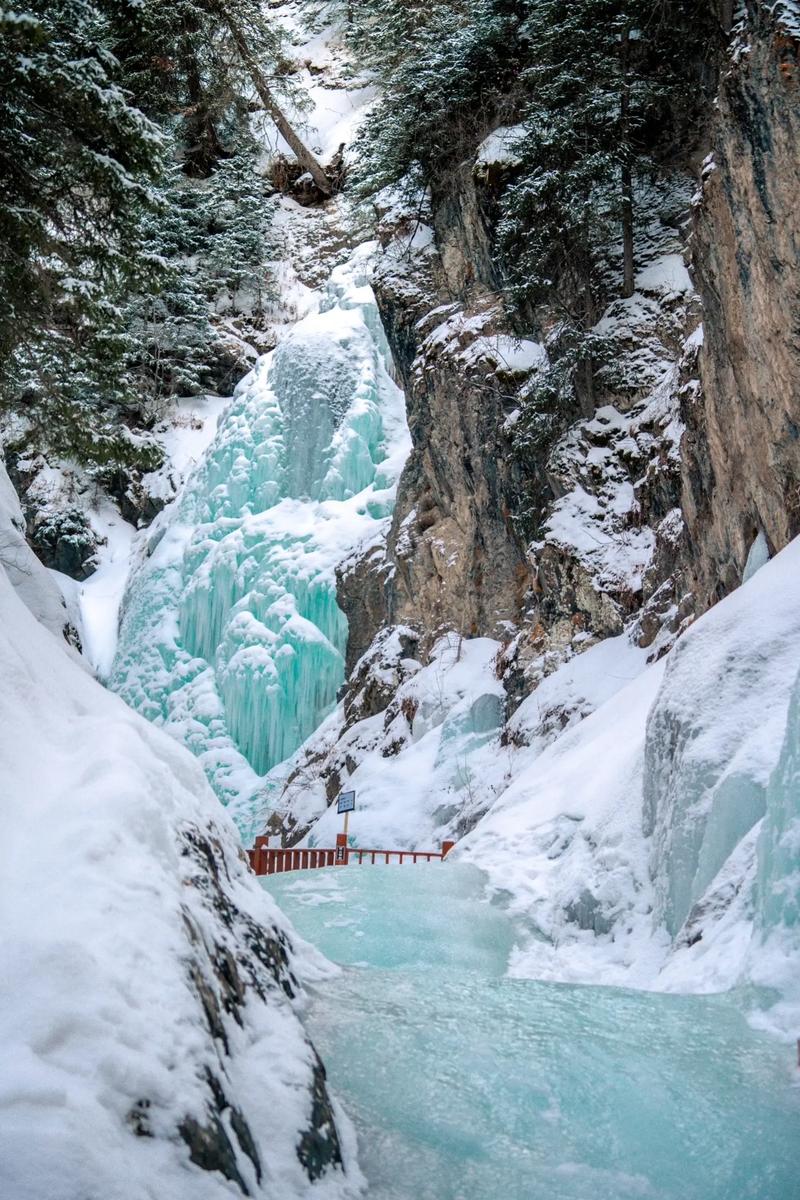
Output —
(231, 635)
(466, 1085)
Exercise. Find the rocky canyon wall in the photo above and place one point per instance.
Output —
(741, 450)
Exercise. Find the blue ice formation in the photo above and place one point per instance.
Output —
(231, 635)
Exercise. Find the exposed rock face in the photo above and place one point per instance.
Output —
(600, 493)
(458, 559)
(635, 512)
(363, 586)
(742, 446)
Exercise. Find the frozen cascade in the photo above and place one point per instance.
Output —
(715, 733)
(778, 879)
(779, 841)
(231, 635)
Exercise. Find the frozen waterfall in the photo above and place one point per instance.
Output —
(231, 635)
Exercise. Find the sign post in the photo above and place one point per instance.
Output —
(346, 804)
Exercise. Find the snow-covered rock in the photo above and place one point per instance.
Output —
(31, 581)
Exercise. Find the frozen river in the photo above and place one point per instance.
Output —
(467, 1085)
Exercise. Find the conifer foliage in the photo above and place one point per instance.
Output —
(597, 90)
(133, 219)
(77, 162)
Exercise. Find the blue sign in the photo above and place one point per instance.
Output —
(347, 802)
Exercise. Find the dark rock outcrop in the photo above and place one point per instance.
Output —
(459, 560)
(66, 542)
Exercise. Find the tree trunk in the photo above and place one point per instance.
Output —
(203, 150)
(627, 174)
(302, 153)
(726, 15)
(627, 229)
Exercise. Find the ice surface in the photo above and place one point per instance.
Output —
(465, 1085)
(756, 557)
(231, 636)
(776, 960)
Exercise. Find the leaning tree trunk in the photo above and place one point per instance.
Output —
(302, 153)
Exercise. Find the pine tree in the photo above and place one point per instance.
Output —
(447, 72)
(213, 243)
(241, 243)
(608, 82)
(77, 162)
(171, 341)
(198, 60)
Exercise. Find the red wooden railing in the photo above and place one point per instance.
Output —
(268, 861)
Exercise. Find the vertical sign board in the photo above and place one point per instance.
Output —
(346, 804)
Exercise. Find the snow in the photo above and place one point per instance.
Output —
(35, 586)
(186, 434)
(100, 596)
(499, 147)
(332, 108)
(668, 276)
(99, 1017)
(566, 836)
(616, 559)
(456, 702)
(788, 15)
(647, 811)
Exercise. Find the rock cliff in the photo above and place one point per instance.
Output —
(741, 450)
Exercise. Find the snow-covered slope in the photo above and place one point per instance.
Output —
(31, 581)
(149, 1031)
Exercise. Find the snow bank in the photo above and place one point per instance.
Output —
(147, 1029)
(563, 845)
(32, 582)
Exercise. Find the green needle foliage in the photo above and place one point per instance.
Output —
(131, 213)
